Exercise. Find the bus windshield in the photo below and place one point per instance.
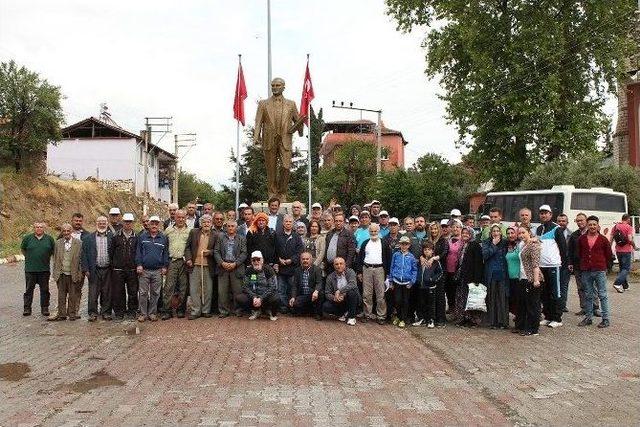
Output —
(510, 204)
(597, 202)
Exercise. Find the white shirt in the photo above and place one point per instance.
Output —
(373, 252)
(67, 245)
(273, 221)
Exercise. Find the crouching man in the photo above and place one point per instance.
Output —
(341, 293)
(307, 292)
(259, 289)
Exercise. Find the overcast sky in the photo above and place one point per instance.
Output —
(170, 58)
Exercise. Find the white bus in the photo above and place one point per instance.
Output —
(606, 204)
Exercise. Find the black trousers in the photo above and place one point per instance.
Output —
(528, 307)
(124, 291)
(100, 291)
(551, 298)
(403, 294)
(40, 278)
(427, 303)
(450, 286)
(303, 305)
(349, 305)
(440, 303)
(390, 299)
(245, 301)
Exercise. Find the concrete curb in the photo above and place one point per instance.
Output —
(12, 259)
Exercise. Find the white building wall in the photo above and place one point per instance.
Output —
(152, 180)
(105, 159)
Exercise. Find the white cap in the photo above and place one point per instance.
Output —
(456, 212)
(114, 211)
(256, 254)
(444, 222)
(316, 205)
(394, 220)
(337, 206)
(243, 205)
(354, 218)
(373, 202)
(545, 208)
(485, 217)
(127, 217)
(155, 218)
(383, 213)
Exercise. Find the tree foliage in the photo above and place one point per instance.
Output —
(525, 80)
(30, 114)
(586, 172)
(192, 188)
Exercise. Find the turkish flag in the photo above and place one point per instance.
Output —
(307, 94)
(241, 95)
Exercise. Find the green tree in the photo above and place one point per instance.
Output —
(525, 80)
(350, 179)
(192, 188)
(586, 172)
(30, 114)
(401, 193)
(317, 129)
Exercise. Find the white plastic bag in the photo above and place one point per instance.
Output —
(476, 298)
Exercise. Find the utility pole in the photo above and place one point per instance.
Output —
(268, 47)
(164, 126)
(187, 140)
(378, 129)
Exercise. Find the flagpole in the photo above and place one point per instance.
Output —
(309, 147)
(238, 144)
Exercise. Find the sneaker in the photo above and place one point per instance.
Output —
(619, 288)
(395, 321)
(534, 333)
(585, 322)
(401, 324)
(343, 318)
(544, 322)
(92, 318)
(440, 325)
(430, 325)
(554, 324)
(141, 318)
(45, 312)
(351, 322)
(603, 324)
(153, 317)
(272, 316)
(26, 312)
(254, 315)
(418, 323)
(597, 312)
(625, 286)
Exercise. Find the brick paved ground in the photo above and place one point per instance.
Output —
(302, 372)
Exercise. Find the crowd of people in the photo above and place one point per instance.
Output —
(357, 263)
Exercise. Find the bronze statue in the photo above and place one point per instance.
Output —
(277, 119)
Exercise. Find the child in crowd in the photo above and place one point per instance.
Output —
(404, 270)
(429, 278)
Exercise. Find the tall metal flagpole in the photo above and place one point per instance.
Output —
(309, 145)
(238, 141)
(269, 47)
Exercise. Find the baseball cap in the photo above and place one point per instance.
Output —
(365, 212)
(114, 211)
(456, 212)
(256, 254)
(394, 220)
(375, 202)
(316, 205)
(545, 208)
(243, 205)
(444, 222)
(354, 218)
(405, 239)
(384, 213)
(127, 217)
(155, 218)
(485, 217)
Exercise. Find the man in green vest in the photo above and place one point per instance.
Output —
(37, 248)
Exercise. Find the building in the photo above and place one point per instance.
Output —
(626, 139)
(343, 132)
(100, 149)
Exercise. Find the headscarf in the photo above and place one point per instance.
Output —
(254, 225)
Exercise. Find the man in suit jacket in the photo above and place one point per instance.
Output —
(339, 243)
(307, 292)
(96, 255)
(67, 273)
(199, 257)
(276, 121)
(230, 254)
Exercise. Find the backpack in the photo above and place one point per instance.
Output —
(619, 238)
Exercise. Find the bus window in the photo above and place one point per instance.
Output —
(597, 202)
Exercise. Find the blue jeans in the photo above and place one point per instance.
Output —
(595, 280)
(565, 276)
(284, 290)
(624, 261)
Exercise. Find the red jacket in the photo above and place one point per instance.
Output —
(596, 258)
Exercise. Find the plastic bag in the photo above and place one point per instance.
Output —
(476, 298)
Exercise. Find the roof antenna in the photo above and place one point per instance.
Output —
(105, 115)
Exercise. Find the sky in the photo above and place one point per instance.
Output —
(168, 58)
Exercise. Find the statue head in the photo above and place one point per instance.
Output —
(277, 86)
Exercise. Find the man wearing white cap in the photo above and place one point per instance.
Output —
(115, 218)
(455, 214)
(316, 212)
(123, 274)
(362, 233)
(374, 211)
(552, 257)
(445, 229)
(152, 260)
(354, 223)
(259, 289)
(383, 220)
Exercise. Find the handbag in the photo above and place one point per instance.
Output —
(476, 297)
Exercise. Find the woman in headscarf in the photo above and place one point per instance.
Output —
(261, 238)
(469, 270)
(440, 251)
(494, 250)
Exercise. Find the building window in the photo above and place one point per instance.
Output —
(384, 153)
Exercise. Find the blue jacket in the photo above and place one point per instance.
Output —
(430, 277)
(495, 261)
(152, 253)
(404, 268)
(90, 252)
